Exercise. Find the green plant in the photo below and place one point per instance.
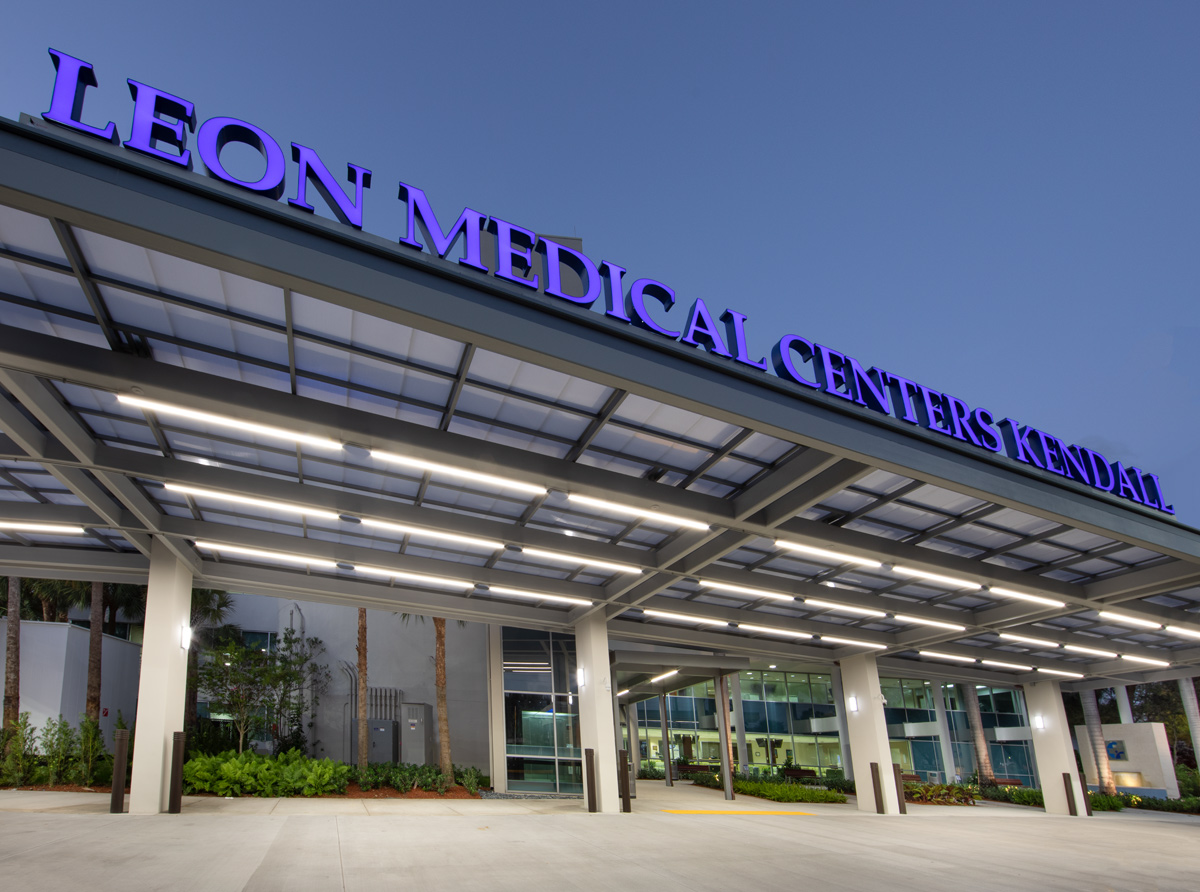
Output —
(470, 778)
(1189, 805)
(776, 791)
(649, 772)
(90, 755)
(17, 768)
(59, 745)
(1189, 781)
(841, 785)
(1105, 802)
(940, 794)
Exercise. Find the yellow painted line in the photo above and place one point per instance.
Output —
(722, 811)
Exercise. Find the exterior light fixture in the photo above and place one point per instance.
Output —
(623, 693)
(1060, 672)
(432, 534)
(537, 596)
(185, 636)
(64, 529)
(1133, 621)
(580, 675)
(935, 577)
(1025, 639)
(1021, 596)
(847, 608)
(835, 556)
(938, 655)
(1007, 665)
(1146, 660)
(415, 578)
(433, 467)
(904, 618)
(630, 511)
(1186, 633)
(1039, 722)
(584, 561)
(283, 557)
(771, 630)
(247, 500)
(684, 618)
(852, 642)
(249, 427)
(664, 676)
(746, 590)
(1095, 652)
(852, 704)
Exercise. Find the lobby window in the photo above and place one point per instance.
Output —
(541, 712)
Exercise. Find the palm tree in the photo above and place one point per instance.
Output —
(363, 744)
(983, 758)
(439, 679)
(12, 658)
(95, 650)
(58, 596)
(209, 610)
(124, 598)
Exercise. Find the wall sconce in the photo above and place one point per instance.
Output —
(185, 637)
(852, 703)
(1039, 722)
(579, 677)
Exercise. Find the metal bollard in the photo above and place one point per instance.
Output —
(623, 775)
(116, 803)
(877, 785)
(589, 761)
(175, 802)
(896, 770)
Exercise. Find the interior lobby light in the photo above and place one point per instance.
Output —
(1021, 596)
(19, 526)
(1146, 660)
(249, 427)
(283, 557)
(247, 500)
(1133, 621)
(1095, 652)
(938, 655)
(1025, 639)
(629, 511)
(904, 618)
(584, 561)
(432, 534)
(683, 617)
(664, 676)
(415, 578)
(830, 605)
(853, 642)
(433, 467)
(746, 590)
(826, 554)
(538, 596)
(935, 577)
(1003, 665)
(1060, 672)
(771, 630)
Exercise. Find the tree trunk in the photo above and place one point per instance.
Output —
(363, 742)
(12, 660)
(95, 647)
(47, 611)
(192, 694)
(439, 678)
(983, 759)
(110, 621)
(1091, 715)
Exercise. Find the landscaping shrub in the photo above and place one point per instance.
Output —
(1026, 796)
(1189, 781)
(776, 791)
(1104, 802)
(1189, 805)
(59, 743)
(92, 765)
(249, 774)
(840, 784)
(18, 766)
(939, 794)
(651, 773)
(471, 779)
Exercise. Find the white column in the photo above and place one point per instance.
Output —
(1052, 749)
(596, 729)
(839, 705)
(1187, 692)
(945, 741)
(162, 684)
(1123, 708)
(739, 723)
(497, 739)
(867, 730)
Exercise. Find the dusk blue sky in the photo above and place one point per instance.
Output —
(997, 200)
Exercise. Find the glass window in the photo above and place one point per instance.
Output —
(822, 688)
(774, 687)
(799, 690)
(751, 685)
(533, 775)
(893, 694)
(1004, 701)
(529, 723)
(566, 727)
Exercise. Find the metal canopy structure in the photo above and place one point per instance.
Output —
(299, 408)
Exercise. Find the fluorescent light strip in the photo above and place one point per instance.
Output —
(852, 642)
(1024, 639)
(1059, 672)
(432, 534)
(460, 473)
(664, 676)
(934, 577)
(1075, 648)
(826, 554)
(904, 618)
(247, 500)
(682, 617)
(1007, 665)
(941, 656)
(1186, 633)
(250, 427)
(830, 605)
(746, 590)
(20, 527)
(637, 512)
(1141, 623)
(269, 555)
(770, 630)
(1146, 660)
(1021, 596)
(540, 596)
(583, 561)
(623, 693)
(417, 578)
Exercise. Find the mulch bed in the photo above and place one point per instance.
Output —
(353, 791)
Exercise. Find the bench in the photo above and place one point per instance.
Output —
(1008, 782)
(799, 772)
(909, 778)
(683, 771)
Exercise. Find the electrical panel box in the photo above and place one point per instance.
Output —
(416, 734)
(383, 740)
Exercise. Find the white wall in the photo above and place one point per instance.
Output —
(1148, 754)
(54, 660)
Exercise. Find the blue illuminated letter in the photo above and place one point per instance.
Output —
(216, 133)
(313, 169)
(701, 329)
(469, 223)
(614, 291)
(735, 331)
(781, 355)
(507, 252)
(148, 128)
(556, 255)
(637, 300)
(73, 77)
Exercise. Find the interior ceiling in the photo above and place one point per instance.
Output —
(396, 467)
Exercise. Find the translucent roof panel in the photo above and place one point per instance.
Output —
(532, 380)
(29, 234)
(639, 412)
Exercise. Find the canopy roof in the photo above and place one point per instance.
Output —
(428, 439)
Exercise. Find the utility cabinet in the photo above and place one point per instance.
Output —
(383, 740)
(416, 734)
